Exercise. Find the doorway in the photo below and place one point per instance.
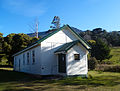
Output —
(19, 65)
(62, 63)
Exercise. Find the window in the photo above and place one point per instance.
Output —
(19, 65)
(23, 59)
(77, 56)
(15, 63)
(33, 57)
(28, 60)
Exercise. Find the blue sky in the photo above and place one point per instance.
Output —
(17, 15)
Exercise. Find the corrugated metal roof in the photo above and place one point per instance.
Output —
(64, 48)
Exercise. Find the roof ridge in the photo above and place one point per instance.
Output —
(52, 33)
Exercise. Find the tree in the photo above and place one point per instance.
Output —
(55, 22)
(100, 50)
(1, 41)
(14, 43)
(114, 38)
(110, 38)
(92, 63)
(34, 27)
(97, 30)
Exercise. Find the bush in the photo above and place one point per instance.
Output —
(100, 50)
(108, 68)
(90, 76)
(92, 63)
(107, 62)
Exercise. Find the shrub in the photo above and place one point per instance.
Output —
(107, 62)
(100, 50)
(108, 68)
(90, 76)
(92, 63)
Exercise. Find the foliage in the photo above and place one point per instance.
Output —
(92, 42)
(108, 68)
(1, 40)
(4, 62)
(110, 38)
(1, 35)
(92, 63)
(15, 42)
(107, 61)
(100, 50)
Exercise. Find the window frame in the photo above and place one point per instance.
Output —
(23, 59)
(28, 58)
(33, 57)
(15, 63)
(76, 56)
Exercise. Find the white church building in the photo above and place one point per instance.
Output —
(61, 52)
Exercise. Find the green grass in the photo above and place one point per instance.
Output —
(115, 52)
(100, 81)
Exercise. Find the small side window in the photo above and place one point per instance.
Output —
(28, 59)
(23, 59)
(76, 56)
(15, 62)
(33, 57)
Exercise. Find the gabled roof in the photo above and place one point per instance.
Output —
(64, 48)
(41, 34)
(52, 33)
(80, 39)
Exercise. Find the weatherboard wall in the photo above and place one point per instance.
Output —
(77, 67)
(28, 68)
(49, 46)
(46, 61)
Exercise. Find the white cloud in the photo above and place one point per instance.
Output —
(25, 7)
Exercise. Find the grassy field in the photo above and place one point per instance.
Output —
(100, 81)
(97, 81)
(115, 52)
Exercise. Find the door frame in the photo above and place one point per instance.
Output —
(19, 64)
(62, 63)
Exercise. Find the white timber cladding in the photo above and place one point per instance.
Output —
(25, 67)
(46, 62)
(49, 46)
(76, 67)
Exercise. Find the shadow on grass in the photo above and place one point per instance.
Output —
(24, 89)
(27, 80)
(12, 76)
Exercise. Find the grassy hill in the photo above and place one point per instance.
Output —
(115, 52)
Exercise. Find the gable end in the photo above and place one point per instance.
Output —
(52, 33)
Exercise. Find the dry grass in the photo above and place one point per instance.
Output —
(9, 69)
